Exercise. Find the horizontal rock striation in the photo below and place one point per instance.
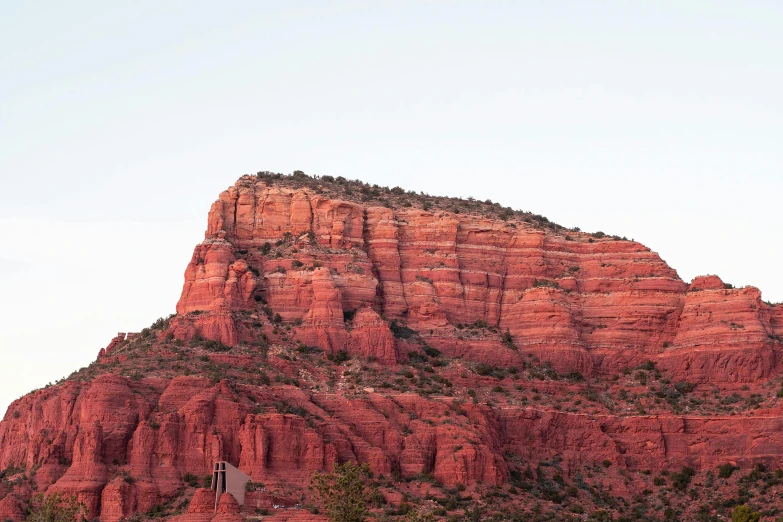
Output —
(583, 304)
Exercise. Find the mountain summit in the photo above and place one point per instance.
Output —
(482, 361)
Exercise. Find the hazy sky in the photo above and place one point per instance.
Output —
(120, 122)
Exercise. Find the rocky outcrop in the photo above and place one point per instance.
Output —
(580, 303)
(479, 316)
(216, 284)
(282, 445)
(12, 508)
(114, 344)
(723, 334)
(201, 508)
(541, 323)
(228, 509)
(324, 324)
(371, 337)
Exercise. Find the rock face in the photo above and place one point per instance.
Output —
(584, 305)
(290, 276)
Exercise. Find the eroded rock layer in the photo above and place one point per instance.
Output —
(584, 304)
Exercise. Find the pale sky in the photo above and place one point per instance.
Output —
(120, 122)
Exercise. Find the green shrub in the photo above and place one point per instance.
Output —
(646, 366)
(681, 479)
(402, 332)
(305, 350)
(251, 486)
(430, 351)
(56, 508)
(725, 470)
(545, 283)
(190, 479)
(486, 370)
(339, 357)
(215, 346)
(343, 493)
(684, 387)
(744, 514)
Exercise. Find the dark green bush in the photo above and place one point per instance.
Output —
(339, 357)
(545, 283)
(432, 352)
(725, 470)
(682, 478)
(402, 332)
(190, 479)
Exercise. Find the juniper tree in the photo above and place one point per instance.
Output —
(343, 493)
(55, 508)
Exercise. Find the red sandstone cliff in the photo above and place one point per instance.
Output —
(584, 304)
(285, 271)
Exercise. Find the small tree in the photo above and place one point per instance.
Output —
(600, 516)
(342, 493)
(744, 514)
(725, 470)
(56, 508)
(419, 516)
